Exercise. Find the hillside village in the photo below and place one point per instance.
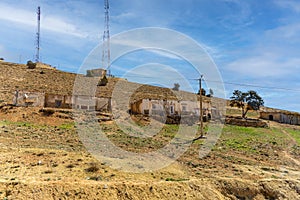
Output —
(42, 154)
(56, 90)
(60, 93)
(98, 136)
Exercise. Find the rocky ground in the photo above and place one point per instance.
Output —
(42, 157)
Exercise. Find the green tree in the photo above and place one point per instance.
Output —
(246, 101)
(203, 92)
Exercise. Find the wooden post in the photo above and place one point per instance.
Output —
(201, 109)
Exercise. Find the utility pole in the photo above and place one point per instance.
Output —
(201, 109)
(37, 57)
(106, 40)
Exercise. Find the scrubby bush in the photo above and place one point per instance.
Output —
(31, 65)
(92, 168)
(103, 81)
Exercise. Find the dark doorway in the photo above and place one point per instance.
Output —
(209, 116)
(271, 117)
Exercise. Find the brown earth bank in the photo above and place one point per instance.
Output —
(42, 157)
(52, 81)
(193, 189)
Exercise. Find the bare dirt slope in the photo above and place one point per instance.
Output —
(49, 80)
(42, 158)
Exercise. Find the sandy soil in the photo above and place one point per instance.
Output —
(42, 157)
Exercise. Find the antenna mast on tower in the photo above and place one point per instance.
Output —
(106, 40)
(37, 57)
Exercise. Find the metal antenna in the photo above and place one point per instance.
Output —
(37, 57)
(106, 40)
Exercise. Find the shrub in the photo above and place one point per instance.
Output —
(31, 65)
(103, 81)
(95, 178)
(93, 168)
(70, 166)
(48, 172)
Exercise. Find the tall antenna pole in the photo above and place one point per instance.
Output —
(106, 40)
(37, 57)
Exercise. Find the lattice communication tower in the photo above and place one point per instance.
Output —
(38, 34)
(106, 40)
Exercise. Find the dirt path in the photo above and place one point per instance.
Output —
(292, 143)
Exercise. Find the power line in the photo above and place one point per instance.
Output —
(256, 86)
(222, 82)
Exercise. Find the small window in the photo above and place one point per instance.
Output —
(172, 109)
(154, 106)
(58, 103)
(84, 107)
(184, 108)
(92, 107)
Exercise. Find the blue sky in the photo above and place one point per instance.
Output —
(252, 42)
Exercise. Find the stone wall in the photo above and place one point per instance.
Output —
(238, 121)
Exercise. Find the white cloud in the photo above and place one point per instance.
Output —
(49, 23)
(123, 16)
(264, 66)
(285, 32)
(290, 4)
(58, 25)
(17, 15)
(275, 53)
(165, 54)
(239, 19)
(159, 74)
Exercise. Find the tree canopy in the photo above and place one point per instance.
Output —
(203, 92)
(246, 101)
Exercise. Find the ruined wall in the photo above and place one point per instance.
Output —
(24, 98)
(84, 102)
(238, 121)
(170, 107)
(272, 116)
(103, 104)
(58, 101)
(96, 73)
(286, 118)
(137, 107)
(289, 119)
